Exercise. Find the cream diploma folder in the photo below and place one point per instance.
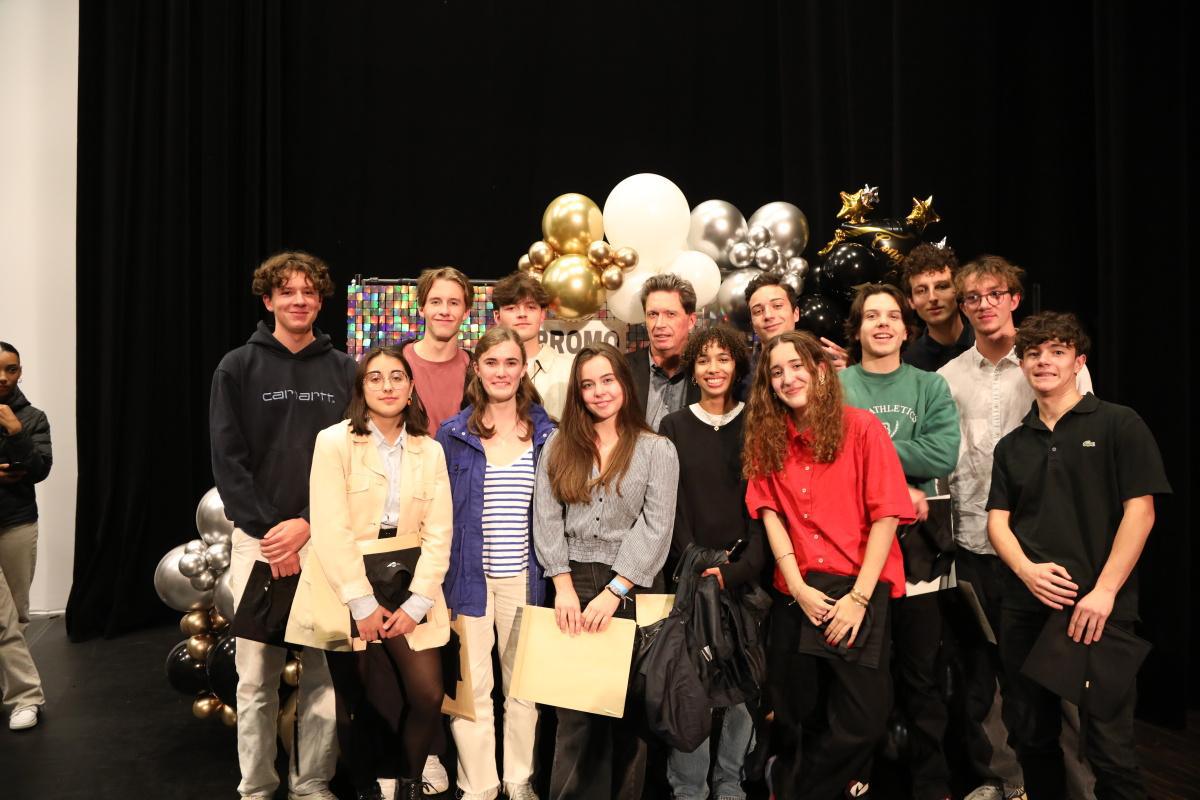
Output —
(588, 672)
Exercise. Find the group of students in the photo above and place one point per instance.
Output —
(529, 477)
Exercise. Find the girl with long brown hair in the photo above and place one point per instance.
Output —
(828, 486)
(604, 506)
(492, 448)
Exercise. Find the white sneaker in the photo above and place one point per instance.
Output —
(520, 791)
(989, 791)
(435, 777)
(23, 718)
(387, 788)
(322, 793)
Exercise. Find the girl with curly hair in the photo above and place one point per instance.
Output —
(828, 486)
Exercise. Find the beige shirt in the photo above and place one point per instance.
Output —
(992, 400)
(550, 372)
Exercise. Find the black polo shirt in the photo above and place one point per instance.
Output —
(1064, 489)
(930, 355)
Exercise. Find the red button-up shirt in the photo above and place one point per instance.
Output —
(828, 509)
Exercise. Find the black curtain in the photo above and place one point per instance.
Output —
(387, 137)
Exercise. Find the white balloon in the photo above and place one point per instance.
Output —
(626, 303)
(701, 271)
(650, 214)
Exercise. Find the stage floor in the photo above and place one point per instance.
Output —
(113, 728)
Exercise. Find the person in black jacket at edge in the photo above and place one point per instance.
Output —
(270, 398)
(711, 512)
(24, 460)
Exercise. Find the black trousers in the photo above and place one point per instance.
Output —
(598, 757)
(986, 737)
(829, 713)
(1034, 719)
(917, 639)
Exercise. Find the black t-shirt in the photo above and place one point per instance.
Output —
(1064, 490)
(930, 355)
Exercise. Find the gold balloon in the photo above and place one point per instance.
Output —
(292, 671)
(217, 620)
(287, 722)
(523, 263)
(625, 258)
(199, 645)
(600, 253)
(204, 706)
(572, 222)
(612, 278)
(228, 716)
(193, 623)
(541, 254)
(574, 287)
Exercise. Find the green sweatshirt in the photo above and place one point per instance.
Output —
(919, 413)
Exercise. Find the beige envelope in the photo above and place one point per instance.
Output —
(653, 607)
(588, 672)
(462, 704)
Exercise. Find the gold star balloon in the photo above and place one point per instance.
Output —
(856, 206)
(922, 213)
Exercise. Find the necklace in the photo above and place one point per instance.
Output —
(717, 421)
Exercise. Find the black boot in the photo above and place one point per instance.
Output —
(410, 788)
(370, 794)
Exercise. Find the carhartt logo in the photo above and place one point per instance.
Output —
(1088, 443)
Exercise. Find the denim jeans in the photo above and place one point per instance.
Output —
(688, 772)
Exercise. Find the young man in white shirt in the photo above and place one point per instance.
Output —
(520, 302)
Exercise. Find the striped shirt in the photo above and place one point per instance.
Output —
(507, 494)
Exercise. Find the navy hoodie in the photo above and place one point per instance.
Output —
(266, 408)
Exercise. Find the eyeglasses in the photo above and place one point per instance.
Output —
(993, 298)
(377, 380)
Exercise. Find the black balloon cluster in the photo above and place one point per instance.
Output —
(861, 251)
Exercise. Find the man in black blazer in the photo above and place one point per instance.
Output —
(670, 306)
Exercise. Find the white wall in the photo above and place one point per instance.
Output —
(39, 65)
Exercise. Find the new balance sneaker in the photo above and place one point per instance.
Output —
(435, 777)
(23, 718)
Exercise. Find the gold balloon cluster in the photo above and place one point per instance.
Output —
(202, 629)
(573, 261)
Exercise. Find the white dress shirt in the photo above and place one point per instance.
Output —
(550, 372)
(992, 400)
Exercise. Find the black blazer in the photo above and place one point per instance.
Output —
(639, 364)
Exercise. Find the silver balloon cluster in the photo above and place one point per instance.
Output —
(194, 575)
(771, 241)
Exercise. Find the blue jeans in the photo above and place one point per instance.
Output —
(688, 772)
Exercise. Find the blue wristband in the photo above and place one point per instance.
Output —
(617, 588)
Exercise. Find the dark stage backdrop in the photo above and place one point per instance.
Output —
(388, 137)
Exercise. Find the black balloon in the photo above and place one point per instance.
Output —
(848, 265)
(222, 671)
(821, 317)
(184, 673)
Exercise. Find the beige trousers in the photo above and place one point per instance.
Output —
(20, 684)
(476, 741)
(259, 669)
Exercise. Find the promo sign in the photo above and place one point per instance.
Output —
(570, 337)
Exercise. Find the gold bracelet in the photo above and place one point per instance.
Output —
(859, 598)
(785, 555)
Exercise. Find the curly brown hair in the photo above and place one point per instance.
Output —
(512, 289)
(766, 442)
(721, 335)
(477, 396)
(995, 266)
(1050, 326)
(926, 258)
(855, 317)
(275, 272)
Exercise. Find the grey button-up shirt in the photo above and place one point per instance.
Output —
(630, 529)
(666, 393)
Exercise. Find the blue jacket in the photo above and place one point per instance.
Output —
(464, 586)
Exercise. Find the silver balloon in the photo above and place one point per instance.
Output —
(210, 515)
(798, 265)
(741, 254)
(716, 226)
(758, 236)
(176, 590)
(731, 297)
(217, 557)
(223, 595)
(211, 537)
(767, 258)
(787, 225)
(195, 546)
(192, 564)
(205, 581)
(795, 279)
